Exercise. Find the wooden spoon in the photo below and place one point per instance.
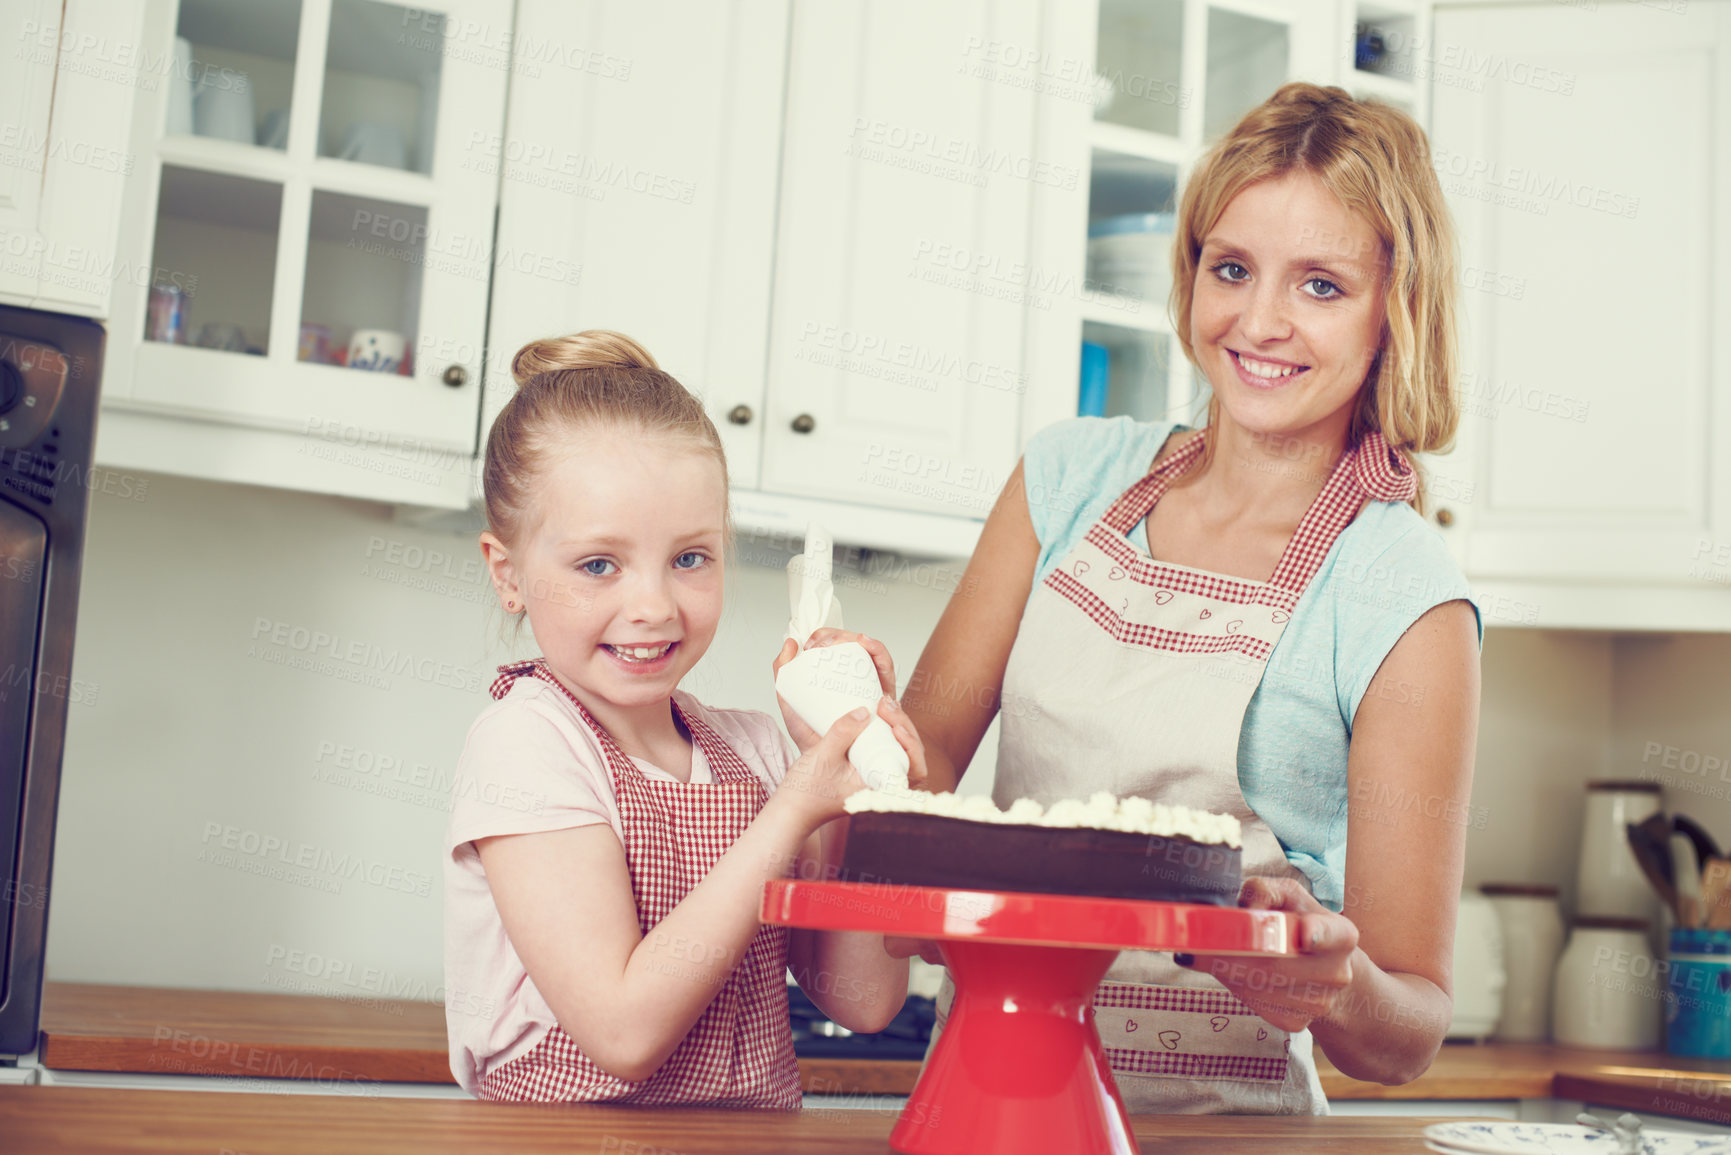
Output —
(1686, 872)
(1716, 893)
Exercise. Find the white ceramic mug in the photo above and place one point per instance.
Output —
(273, 132)
(181, 86)
(1609, 991)
(1532, 939)
(376, 350)
(1478, 969)
(1609, 882)
(223, 107)
(369, 142)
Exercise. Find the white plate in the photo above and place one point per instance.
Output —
(1505, 1138)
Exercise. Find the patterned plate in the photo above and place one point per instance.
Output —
(1505, 1138)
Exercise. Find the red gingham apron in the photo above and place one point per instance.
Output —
(1136, 675)
(740, 1052)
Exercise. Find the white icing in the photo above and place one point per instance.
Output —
(1100, 812)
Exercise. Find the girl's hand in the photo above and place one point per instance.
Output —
(803, 735)
(822, 776)
(888, 708)
(1289, 992)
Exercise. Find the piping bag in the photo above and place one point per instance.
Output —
(824, 683)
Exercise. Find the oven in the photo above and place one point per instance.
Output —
(50, 371)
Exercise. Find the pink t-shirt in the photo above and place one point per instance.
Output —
(531, 765)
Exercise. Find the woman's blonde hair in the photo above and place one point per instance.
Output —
(565, 385)
(1374, 158)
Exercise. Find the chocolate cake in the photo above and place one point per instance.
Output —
(1105, 848)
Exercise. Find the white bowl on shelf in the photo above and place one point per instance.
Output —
(1131, 255)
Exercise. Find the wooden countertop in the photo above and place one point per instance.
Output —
(150, 1030)
(169, 1031)
(89, 1120)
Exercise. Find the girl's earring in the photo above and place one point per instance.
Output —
(510, 606)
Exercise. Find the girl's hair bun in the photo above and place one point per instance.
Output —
(590, 349)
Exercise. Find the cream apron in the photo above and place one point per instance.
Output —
(1132, 676)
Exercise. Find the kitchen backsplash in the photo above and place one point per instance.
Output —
(271, 690)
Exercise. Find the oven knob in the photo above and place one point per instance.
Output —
(11, 386)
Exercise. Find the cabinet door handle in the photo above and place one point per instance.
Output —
(804, 423)
(1445, 517)
(740, 415)
(456, 376)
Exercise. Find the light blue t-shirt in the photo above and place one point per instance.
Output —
(1384, 571)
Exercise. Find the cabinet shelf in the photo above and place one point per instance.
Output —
(257, 162)
(1374, 11)
(372, 182)
(227, 157)
(1379, 87)
(1145, 316)
(1264, 10)
(1134, 142)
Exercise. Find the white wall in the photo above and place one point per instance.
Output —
(1673, 722)
(1544, 730)
(182, 727)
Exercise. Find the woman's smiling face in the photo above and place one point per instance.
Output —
(1287, 313)
(622, 577)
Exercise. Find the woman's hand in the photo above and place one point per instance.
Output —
(926, 948)
(888, 708)
(1291, 991)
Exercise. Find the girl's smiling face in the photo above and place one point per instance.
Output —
(1287, 314)
(621, 571)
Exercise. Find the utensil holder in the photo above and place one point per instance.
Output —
(1698, 993)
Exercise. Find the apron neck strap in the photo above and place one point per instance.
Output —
(1135, 503)
(1371, 470)
(724, 763)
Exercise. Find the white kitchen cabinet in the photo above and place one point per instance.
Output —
(1585, 160)
(894, 381)
(336, 183)
(639, 194)
(902, 165)
(65, 94)
(770, 208)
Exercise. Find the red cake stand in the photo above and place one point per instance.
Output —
(1018, 1069)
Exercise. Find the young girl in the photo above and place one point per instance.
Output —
(611, 835)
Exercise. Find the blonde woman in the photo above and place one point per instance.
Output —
(1255, 618)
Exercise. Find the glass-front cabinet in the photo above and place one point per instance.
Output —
(1170, 77)
(310, 218)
